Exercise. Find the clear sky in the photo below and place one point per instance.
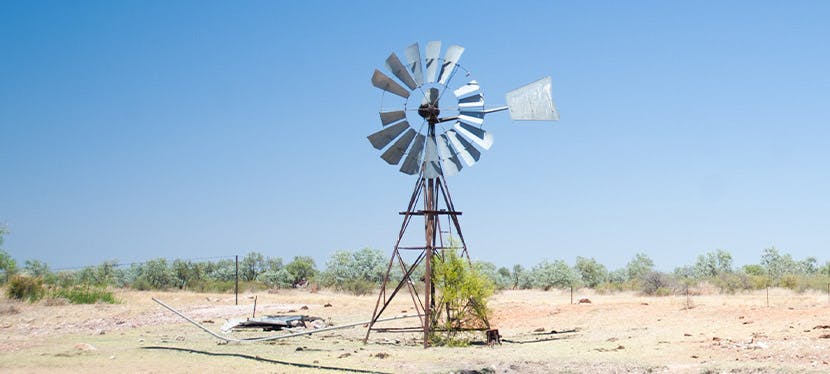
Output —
(132, 130)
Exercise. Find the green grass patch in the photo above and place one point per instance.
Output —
(25, 288)
(85, 295)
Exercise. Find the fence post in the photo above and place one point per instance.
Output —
(236, 287)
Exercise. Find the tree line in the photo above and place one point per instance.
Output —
(361, 272)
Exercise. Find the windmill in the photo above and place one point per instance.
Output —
(433, 140)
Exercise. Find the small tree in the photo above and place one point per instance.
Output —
(277, 278)
(487, 270)
(547, 275)
(463, 293)
(86, 276)
(640, 266)
(302, 270)
(158, 274)
(657, 283)
(521, 278)
(590, 272)
(275, 274)
(618, 276)
(357, 272)
(186, 273)
(777, 264)
(105, 273)
(35, 268)
(8, 266)
(753, 269)
(503, 278)
(273, 263)
(222, 270)
(808, 266)
(713, 264)
(251, 266)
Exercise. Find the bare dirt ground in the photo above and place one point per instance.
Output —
(614, 333)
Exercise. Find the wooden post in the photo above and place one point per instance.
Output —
(236, 288)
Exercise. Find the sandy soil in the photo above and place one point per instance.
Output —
(614, 333)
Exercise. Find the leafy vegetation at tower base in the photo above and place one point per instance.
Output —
(461, 293)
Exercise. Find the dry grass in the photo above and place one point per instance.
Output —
(615, 332)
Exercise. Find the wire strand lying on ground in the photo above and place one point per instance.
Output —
(260, 359)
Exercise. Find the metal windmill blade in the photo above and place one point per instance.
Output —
(431, 63)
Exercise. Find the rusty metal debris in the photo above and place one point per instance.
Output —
(274, 323)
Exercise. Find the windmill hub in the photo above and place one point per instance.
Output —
(429, 112)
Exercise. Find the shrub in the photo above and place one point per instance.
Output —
(547, 275)
(343, 266)
(8, 266)
(141, 284)
(663, 291)
(25, 288)
(85, 295)
(251, 266)
(357, 287)
(158, 274)
(732, 282)
(276, 278)
(758, 282)
(657, 284)
(788, 281)
(590, 272)
(463, 291)
(302, 270)
(712, 264)
(639, 266)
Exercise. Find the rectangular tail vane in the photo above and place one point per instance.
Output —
(533, 102)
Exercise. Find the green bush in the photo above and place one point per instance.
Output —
(357, 287)
(788, 281)
(547, 275)
(758, 282)
(141, 284)
(8, 266)
(590, 272)
(730, 282)
(25, 288)
(663, 291)
(441, 339)
(85, 295)
(463, 293)
(657, 284)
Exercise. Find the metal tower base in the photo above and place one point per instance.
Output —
(431, 191)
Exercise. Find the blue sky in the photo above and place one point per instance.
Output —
(140, 129)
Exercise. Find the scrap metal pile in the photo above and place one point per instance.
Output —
(274, 323)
